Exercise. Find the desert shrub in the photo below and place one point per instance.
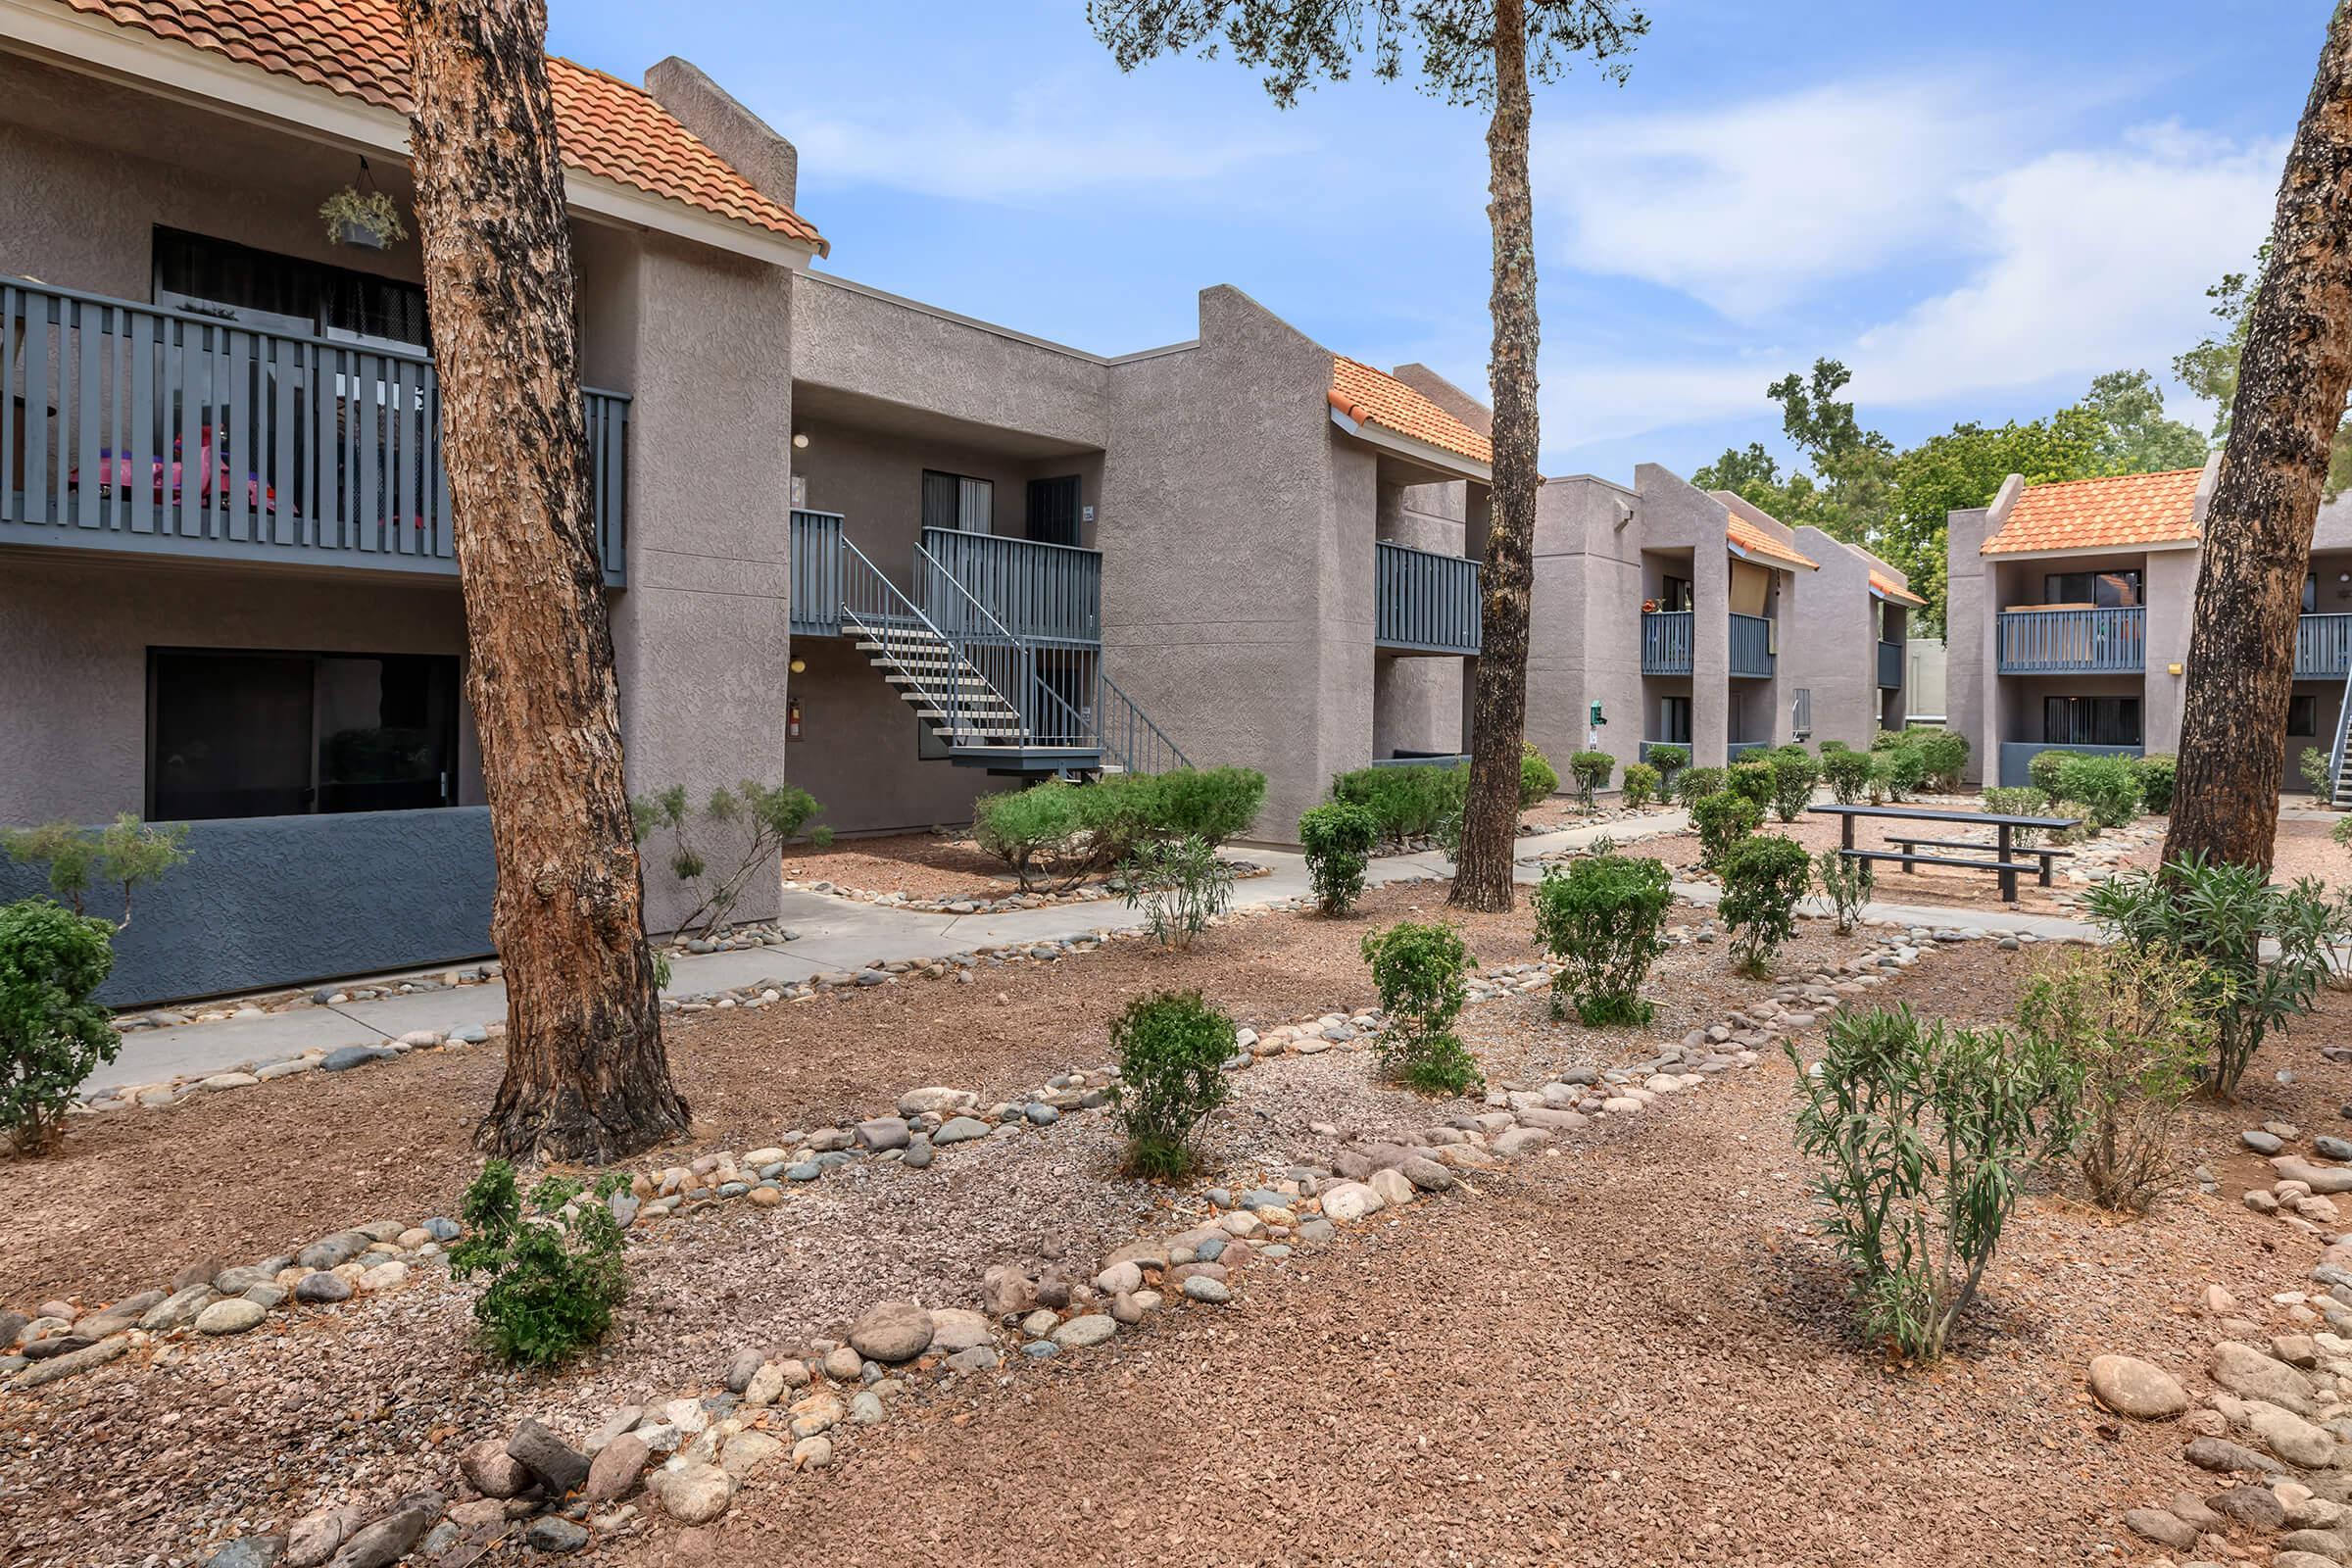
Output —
(1338, 837)
(1172, 1048)
(1847, 773)
(2043, 768)
(1601, 916)
(51, 1035)
(1640, 785)
(1794, 772)
(1875, 785)
(127, 854)
(753, 821)
(2220, 915)
(2136, 1027)
(1695, 784)
(1590, 770)
(2313, 766)
(1929, 1134)
(1751, 779)
(1038, 831)
(1117, 815)
(1943, 753)
(1847, 882)
(555, 1266)
(1180, 885)
(2341, 833)
(1668, 760)
(1903, 770)
(1538, 779)
(1887, 740)
(1407, 802)
(1215, 804)
(1829, 746)
(1722, 821)
(1419, 970)
(2021, 801)
(2105, 787)
(2156, 772)
(1454, 804)
(1763, 877)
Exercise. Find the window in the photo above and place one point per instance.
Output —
(2311, 595)
(2107, 590)
(2090, 720)
(1674, 721)
(266, 290)
(959, 502)
(1053, 511)
(1800, 713)
(2303, 715)
(243, 734)
(1676, 593)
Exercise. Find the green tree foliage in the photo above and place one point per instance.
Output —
(126, 854)
(51, 1035)
(2133, 434)
(1601, 917)
(2210, 370)
(1172, 1049)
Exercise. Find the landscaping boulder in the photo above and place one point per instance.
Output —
(957, 1328)
(891, 1332)
(489, 1469)
(692, 1492)
(1006, 1291)
(2244, 1370)
(559, 1466)
(614, 1472)
(1352, 1200)
(2141, 1389)
(389, 1540)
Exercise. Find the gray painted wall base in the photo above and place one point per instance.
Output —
(284, 900)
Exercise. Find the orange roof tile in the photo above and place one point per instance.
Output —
(1749, 539)
(1880, 584)
(2125, 509)
(1371, 396)
(356, 47)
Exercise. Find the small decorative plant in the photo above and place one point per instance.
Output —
(51, 1035)
(2106, 787)
(1419, 970)
(1794, 772)
(758, 818)
(2021, 801)
(1601, 917)
(554, 1261)
(366, 218)
(1640, 785)
(1172, 1049)
(1721, 819)
(1847, 773)
(1668, 760)
(1337, 838)
(1847, 882)
(1538, 779)
(1693, 785)
(126, 854)
(2313, 766)
(2156, 772)
(1763, 877)
(1180, 885)
(1752, 778)
(1590, 770)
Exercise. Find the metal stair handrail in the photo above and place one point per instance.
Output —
(898, 638)
(1014, 658)
(2343, 735)
(1139, 732)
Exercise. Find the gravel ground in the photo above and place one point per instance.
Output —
(921, 865)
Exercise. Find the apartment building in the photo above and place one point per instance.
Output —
(1666, 614)
(2071, 609)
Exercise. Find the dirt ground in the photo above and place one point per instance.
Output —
(1634, 1353)
(921, 865)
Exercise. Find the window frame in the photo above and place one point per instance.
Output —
(966, 485)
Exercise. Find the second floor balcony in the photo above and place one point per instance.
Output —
(2322, 647)
(1669, 644)
(128, 428)
(2073, 640)
(1424, 602)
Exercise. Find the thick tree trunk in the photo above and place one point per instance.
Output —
(1491, 823)
(2290, 397)
(586, 1076)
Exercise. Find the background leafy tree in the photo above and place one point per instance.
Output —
(2210, 370)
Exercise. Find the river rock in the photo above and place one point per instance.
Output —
(2244, 1370)
(556, 1463)
(892, 1332)
(232, 1316)
(692, 1492)
(957, 1328)
(614, 1472)
(2141, 1389)
(492, 1471)
(1352, 1200)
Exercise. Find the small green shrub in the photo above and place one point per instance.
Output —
(1763, 877)
(1215, 804)
(1420, 970)
(51, 1035)
(2341, 833)
(2156, 772)
(1640, 785)
(1942, 755)
(1904, 771)
(1847, 773)
(2313, 766)
(2020, 800)
(1751, 779)
(1338, 837)
(1668, 760)
(1038, 831)
(2042, 767)
(1695, 784)
(1407, 802)
(1722, 821)
(1172, 1048)
(1538, 779)
(1875, 785)
(126, 854)
(1180, 885)
(2219, 915)
(1929, 1134)
(1847, 883)
(1794, 772)
(1601, 916)
(2105, 787)
(1887, 740)
(1591, 771)
(1117, 815)
(755, 819)
(555, 1266)
(1829, 746)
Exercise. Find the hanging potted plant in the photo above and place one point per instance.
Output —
(364, 217)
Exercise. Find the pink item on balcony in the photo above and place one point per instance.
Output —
(116, 473)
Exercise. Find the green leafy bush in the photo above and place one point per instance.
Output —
(1829, 746)
(1722, 821)
(1420, 970)
(1040, 832)
(1887, 740)
(1215, 804)
(2341, 833)
(1338, 837)
(1847, 882)
(1751, 779)
(1668, 760)
(1794, 772)
(1929, 1134)
(1408, 803)
(1942, 756)
(1903, 770)
(2042, 769)
(2156, 772)
(1590, 770)
(753, 821)
(1763, 878)
(554, 1267)
(126, 854)
(2134, 1026)
(1695, 784)
(2105, 787)
(1847, 772)
(1180, 885)
(51, 1035)
(1117, 815)
(1640, 785)
(2313, 766)
(1538, 779)
(1601, 917)
(2220, 915)
(1172, 1049)
(2021, 801)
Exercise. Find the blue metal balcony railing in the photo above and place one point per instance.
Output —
(2066, 641)
(815, 574)
(1667, 639)
(1891, 666)
(2322, 647)
(1424, 602)
(1751, 647)
(1050, 594)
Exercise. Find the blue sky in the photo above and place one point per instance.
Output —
(1977, 207)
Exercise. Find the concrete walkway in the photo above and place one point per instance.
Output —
(847, 934)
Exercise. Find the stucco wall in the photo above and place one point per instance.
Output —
(1675, 515)
(1417, 701)
(1971, 705)
(858, 749)
(2171, 590)
(1583, 630)
(1829, 640)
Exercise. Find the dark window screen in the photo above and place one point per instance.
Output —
(2090, 720)
(332, 297)
(1053, 511)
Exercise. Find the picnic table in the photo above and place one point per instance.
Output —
(1907, 854)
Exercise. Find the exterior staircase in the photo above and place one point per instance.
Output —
(2339, 756)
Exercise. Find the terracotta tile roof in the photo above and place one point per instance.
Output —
(1880, 584)
(1751, 540)
(356, 47)
(1372, 397)
(2126, 508)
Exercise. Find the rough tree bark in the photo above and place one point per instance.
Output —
(586, 1076)
(1498, 720)
(2292, 382)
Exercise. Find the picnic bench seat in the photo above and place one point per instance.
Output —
(1911, 846)
(2004, 826)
